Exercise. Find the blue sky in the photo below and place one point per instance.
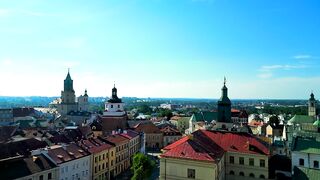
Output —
(161, 48)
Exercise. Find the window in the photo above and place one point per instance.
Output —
(262, 163)
(111, 162)
(118, 106)
(262, 176)
(192, 173)
(231, 173)
(41, 177)
(49, 176)
(111, 106)
(301, 162)
(316, 164)
(95, 169)
(103, 156)
(241, 174)
(251, 162)
(231, 159)
(241, 160)
(251, 175)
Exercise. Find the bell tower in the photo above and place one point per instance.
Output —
(224, 105)
(312, 105)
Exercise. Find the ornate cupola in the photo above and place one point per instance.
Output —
(224, 105)
(312, 105)
(114, 96)
(114, 106)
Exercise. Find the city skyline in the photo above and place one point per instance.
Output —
(158, 48)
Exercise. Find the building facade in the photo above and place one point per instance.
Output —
(233, 155)
(114, 117)
(73, 162)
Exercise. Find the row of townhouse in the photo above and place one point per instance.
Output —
(98, 158)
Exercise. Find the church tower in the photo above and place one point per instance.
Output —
(224, 105)
(68, 94)
(68, 97)
(312, 106)
(83, 102)
(114, 117)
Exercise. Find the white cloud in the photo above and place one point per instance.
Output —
(302, 56)
(267, 71)
(283, 67)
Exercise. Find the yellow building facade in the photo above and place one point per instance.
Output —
(181, 169)
(241, 166)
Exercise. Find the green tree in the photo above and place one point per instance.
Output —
(142, 167)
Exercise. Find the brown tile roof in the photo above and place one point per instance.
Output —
(115, 139)
(130, 134)
(169, 131)
(6, 132)
(21, 167)
(22, 112)
(20, 147)
(147, 128)
(71, 152)
(94, 145)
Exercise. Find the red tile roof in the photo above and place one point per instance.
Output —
(175, 144)
(204, 145)
(236, 142)
(194, 150)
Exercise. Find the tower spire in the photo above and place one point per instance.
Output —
(225, 81)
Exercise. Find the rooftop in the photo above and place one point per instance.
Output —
(21, 167)
(70, 152)
(306, 145)
(204, 145)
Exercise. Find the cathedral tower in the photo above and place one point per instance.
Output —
(68, 94)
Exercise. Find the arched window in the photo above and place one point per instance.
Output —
(251, 175)
(262, 176)
(241, 174)
(231, 173)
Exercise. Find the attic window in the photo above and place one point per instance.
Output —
(60, 156)
(80, 150)
(71, 153)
